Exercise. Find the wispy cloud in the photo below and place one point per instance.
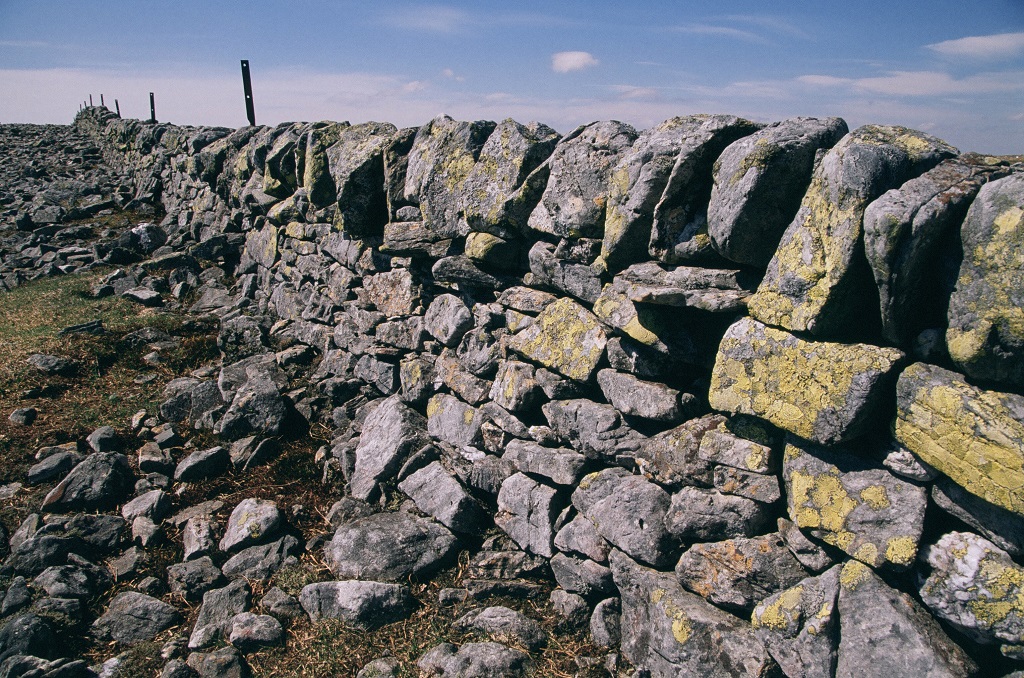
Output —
(923, 83)
(449, 74)
(433, 18)
(720, 31)
(999, 46)
(770, 23)
(566, 62)
(635, 92)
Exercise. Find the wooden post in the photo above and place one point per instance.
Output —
(118, 107)
(152, 108)
(90, 100)
(250, 110)
(102, 103)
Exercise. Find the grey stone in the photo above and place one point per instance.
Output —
(133, 617)
(385, 667)
(394, 293)
(388, 547)
(367, 605)
(390, 434)
(888, 631)
(507, 565)
(572, 608)
(406, 334)
(475, 660)
(526, 512)
(55, 466)
(604, 623)
(670, 632)
(559, 465)
(515, 387)
(223, 663)
(102, 480)
(575, 279)
(218, 609)
(353, 157)
(644, 399)
(193, 578)
(240, 337)
(143, 296)
(252, 521)
(580, 536)
(628, 511)
(380, 374)
(698, 514)
(202, 464)
(27, 634)
(72, 581)
(479, 352)
(463, 271)
(502, 623)
(23, 416)
(706, 289)
(52, 364)
(250, 632)
(257, 408)
(280, 604)
(672, 457)
(759, 182)
(441, 495)
(462, 383)
(1003, 528)
(261, 562)
(447, 319)
(103, 439)
(198, 537)
(757, 486)
(595, 430)
(526, 299)
(810, 554)
(154, 504)
(453, 421)
(582, 576)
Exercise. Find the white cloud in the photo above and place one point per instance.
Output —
(433, 18)
(1001, 45)
(634, 92)
(566, 62)
(723, 31)
(923, 83)
(452, 75)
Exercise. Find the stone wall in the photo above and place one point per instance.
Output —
(785, 361)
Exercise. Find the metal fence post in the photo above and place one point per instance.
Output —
(250, 110)
(152, 108)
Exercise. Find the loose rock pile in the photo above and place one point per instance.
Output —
(751, 394)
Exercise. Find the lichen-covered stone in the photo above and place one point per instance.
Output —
(388, 546)
(447, 319)
(595, 430)
(853, 504)
(885, 632)
(817, 282)
(573, 278)
(463, 383)
(574, 199)
(975, 437)
(759, 182)
(799, 626)
(976, 587)
(986, 312)
(737, 573)
(394, 293)
(390, 434)
(707, 289)
(679, 231)
(453, 421)
(493, 251)
(698, 514)
(910, 242)
(671, 458)
(760, 487)
(497, 196)
(822, 391)
(566, 338)
(442, 157)
(515, 387)
(670, 632)
(1003, 528)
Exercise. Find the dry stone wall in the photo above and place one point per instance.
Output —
(754, 393)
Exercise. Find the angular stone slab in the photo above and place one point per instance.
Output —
(822, 391)
(671, 632)
(679, 232)
(885, 632)
(645, 399)
(388, 547)
(707, 289)
(909, 233)
(759, 182)
(394, 293)
(453, 421)
(698, 514)
(976, 587)
(572, 278)
(573, 203)
(561, 466)
(595, 430)
(438, 493)
(853, 504)
(671, 458)
(367, 605)
(566, 338)
(986, 312)
(355, 164)
(817, 282)
(526, 512)
(975, 437)
(390, 434)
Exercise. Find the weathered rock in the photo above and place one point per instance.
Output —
(388, 547)
(975, 437)
(817, 281)
(822, 391)
(759, 182)
(390, 434)
(629, 512)
(1002, 527)
(453, 421)
(573, 278)
(559, 465)
(55, 466)
(580, 536)
(672, 458)
(260, 562)
(573, 203)
(463, 383)
(526, 299)
(670, 632)
(593, 429)
(439, 494)
(202, 464)
(257, 409)
(526, 512)
(975, 587)
(697, 514)
(251, 632)
(154, 504)
(800, 626)
(193, 578)
(475, 660)
(447, 319)
(52, 364)
(854, 504)
(503, 623)
(253, 521)
(566, 338)
(102, 480)
(367, 605)
(909, 233)
(223, 663)
(581, 575)
(515, 387)
(737, 573)
(985, 336)
(133, 617)
(198, 537)
(706, 289)
(218, 609)
(394, 293)
(644, 399)
(493, 251)
(887, 631)
(354, 176)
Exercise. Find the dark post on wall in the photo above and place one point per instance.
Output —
(250, 110)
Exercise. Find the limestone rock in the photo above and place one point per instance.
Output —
(886, 632)
(566, 338)
(816, 282)
(644, 399)
(526, 512)
(102, 480)
(250, 632)
(759, 182)
(132, 617)
(515, 387)
(1002, 527)
(822, 391)
(559, 465)
(388, 547)
(671, 632)
(800, 626)
(394, 293)
(708, 289)
(975, 587)
(580, 536)
(354, 179)
(595, 430)
(986, 321)
(910, 242)
(573, 203)
(672, 457)
(554, 272)
(438, 493)
(975, 437)
(474, 660)
(503, 623)
(252, 521)
(698, 514)
(737, 573)
(453, 421)
(628, 511)
(390, 434)
(447, 319)
(367, 605)
(854, 504)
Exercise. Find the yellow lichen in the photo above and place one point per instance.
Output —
(901, 550)
(875, 497)
(780, 612)
(854, 574)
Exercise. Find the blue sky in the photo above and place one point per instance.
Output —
(951, 68)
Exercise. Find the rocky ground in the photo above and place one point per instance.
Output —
(480, 400)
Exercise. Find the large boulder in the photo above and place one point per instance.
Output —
(391, 433)
(975, 437)
(366, 605)
(101, 481)
(595, 430)
(822, 391)
(388, 547)
(818, 280)
(986, 312)
(527, 510)
(354, 179)
(133, 617)
(759, 182)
